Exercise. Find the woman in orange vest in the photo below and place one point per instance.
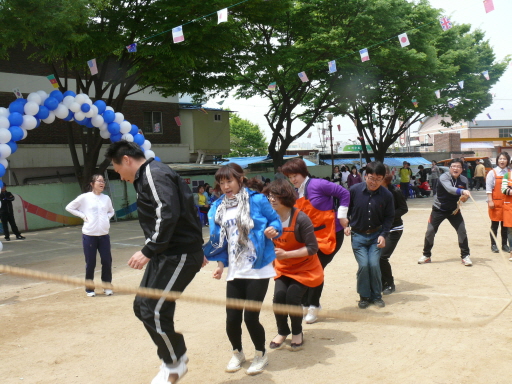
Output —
(495, 200)
(297, 266)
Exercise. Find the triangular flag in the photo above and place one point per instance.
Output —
(364, 54)
(332, 66)
(177, 34)
(404, 40)
(438, 94)
(309, 135)
(474, 122)
(203, 110)
(53, 80)
(303, 77)
(445, 23)
(221, 102)
(489, 116)
(92, 66)
(132, 47)
(272, 86)
(222, 16)
(461, 84)
(450, 105)
(178, 121)
(488, 5)
(339, 127)
(486, 75)
(415, 102)
(17, 93)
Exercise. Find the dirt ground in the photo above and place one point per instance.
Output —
(438, 327)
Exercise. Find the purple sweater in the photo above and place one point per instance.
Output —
(320, 193)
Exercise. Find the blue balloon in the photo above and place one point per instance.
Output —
(85, 107)
(16, 107)
(69, 117)
(15, 118)
(138, 139)
(16, 132)
(69, 93)
(134, 130)
(51, 103)
(157, 158)
(109, 116)
(38, 122)
(88, 123)
(43, 112)
(22, 101)
(1, 184)
(101, 105)
(114, 128)
(13, 145)
(2, 170)
(81, 122)
(116, 137)
(57, 95)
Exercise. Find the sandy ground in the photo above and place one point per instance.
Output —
(440, 326)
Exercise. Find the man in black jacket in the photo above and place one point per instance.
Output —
(172, 251)
(7, 214)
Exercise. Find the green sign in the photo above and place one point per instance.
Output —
(355, 148)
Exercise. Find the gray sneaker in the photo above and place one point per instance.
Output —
(235, 364)
(467, 261)
(424, 260)
(259, 363)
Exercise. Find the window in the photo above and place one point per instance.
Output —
(153, 122)
(505, 132)
(218, 117)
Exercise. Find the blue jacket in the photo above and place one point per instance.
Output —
(263, 216)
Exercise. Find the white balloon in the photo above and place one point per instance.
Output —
(5, 151)
(92, 112)
(34, 97)
(4, 112)
(97, 121)
(146, 145)
(68, 100)
(50, 119)
(62, 111)
(5, 163)
(75, 107)
(125, 127)
(43, 95)
(105, 134)
(1, 247)
(149, 153)
(31, 108)
(29, 122)
(88, 101)
(79, 116)
(4, 122)
(25, 133)
(127, 137)
(103, 127)
(108, 108)
(119, 118)
(5, 136)
(80, 98)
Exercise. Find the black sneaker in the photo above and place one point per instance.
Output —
(7, 239)
(20, 237)
(379, 303)
(505, 248)
(388, 289)
(364, 303)
(494, 248)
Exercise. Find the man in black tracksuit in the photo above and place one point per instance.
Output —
(172, 251)
(7, 214)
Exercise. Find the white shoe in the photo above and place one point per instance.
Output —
(259, 363)
(467, 261)
(510, 259)
(236, 361)
(91, 294)
(179, 369)
(108, 292)
(312, 315)
(424, 260)
(305, 310)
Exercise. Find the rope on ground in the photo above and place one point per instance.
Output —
(350, 315)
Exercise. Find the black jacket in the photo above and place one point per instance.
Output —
(6, 198)
(167, 214)
(400, 205)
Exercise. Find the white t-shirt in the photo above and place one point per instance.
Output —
(243, 268)
(96, 209)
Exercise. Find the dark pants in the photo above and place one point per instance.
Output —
(494, 229)
(434, 186)
(385, 267)
(9, 218)
(404, 187)
(168, 273)
(246, 289)
(457, 222)
(479, 182)
(92, 245)
(288, 291)
(312, 296)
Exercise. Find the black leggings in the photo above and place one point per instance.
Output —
(288, 291)
(246, 289)
(494, 229)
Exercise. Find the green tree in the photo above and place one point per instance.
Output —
(246, 138)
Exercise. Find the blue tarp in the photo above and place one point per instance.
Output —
(245, 161)
(390, 161)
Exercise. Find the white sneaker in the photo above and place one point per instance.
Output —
(305, 310)
(259, 363)
(510, 259)
(108, 292)
(467, 261)
(424, 260)
(236, 361)
(179, 369)
(312, 315)
(91, 294)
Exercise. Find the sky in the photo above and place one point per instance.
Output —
(498, 30)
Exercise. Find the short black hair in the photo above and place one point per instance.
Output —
(117, 150)
(457, 160)
(375, 168)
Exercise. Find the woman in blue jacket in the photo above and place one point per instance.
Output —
(242, 224)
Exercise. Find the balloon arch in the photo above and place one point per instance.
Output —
(24, 115)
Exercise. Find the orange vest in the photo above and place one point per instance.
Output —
(323, 222)
(507, 205)
(496, 214)
(306, 270)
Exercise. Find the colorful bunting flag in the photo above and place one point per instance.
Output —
(332, 66)
(272, 86)
(92, 66)
(438, 94)
(17, 93)
(489, 116)
(303, 77)
(415, 102)
(132, 47)
(451, 105)
(445, 23)
(486, 75)
(474, 122)
(365, 56)
(488, 5)
(461, 84)
(222, 16)
(203, 110)
(309, 135)
(339, 127)
(177, 34)
(178, 121)
(53, 80)
(221, 102)
(404, 40)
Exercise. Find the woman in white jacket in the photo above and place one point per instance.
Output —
(96, 210)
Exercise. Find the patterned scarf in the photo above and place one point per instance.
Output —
(244, 221)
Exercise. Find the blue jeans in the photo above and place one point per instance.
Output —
(369, 283)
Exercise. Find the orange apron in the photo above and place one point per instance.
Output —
(306, 270)
(323, 222)
(507, 205)
(496, 214)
